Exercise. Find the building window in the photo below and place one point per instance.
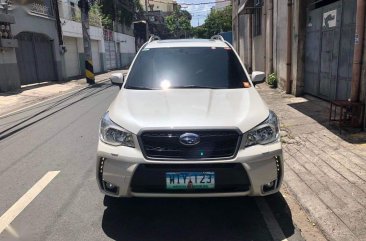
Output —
(257, 22)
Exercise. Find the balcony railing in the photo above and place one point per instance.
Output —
(41, 8)
(73, 13)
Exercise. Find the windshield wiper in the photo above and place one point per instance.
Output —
(138, 88)
(194, 87)
(173, 87)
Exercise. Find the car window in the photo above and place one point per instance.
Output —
(188, 67)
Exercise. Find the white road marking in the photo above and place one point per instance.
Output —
(272, 224)
(25, 200)
(12, 231)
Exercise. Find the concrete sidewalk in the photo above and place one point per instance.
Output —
(31, 94)
(324, 170)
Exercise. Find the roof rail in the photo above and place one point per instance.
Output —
(217, 37)
(154, 37)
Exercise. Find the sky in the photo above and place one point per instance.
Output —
(198, 12)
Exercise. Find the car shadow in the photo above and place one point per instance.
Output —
(192, 219)
(318, 110)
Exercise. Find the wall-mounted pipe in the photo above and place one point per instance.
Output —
(358, 51)
(289, 48)
(270, 36)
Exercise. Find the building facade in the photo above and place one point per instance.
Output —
(309, 44)
(111, 49)
(36, 57)
(220, 4)
(43, 53)
(158, 5)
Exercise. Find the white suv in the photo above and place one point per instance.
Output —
(188, 122)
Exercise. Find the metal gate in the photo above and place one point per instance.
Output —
(35, 58)
(110, 55)
(329, 50)
(72, 63)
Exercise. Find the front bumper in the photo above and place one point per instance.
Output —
(117, 165)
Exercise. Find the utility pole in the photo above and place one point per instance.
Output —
(89, 72)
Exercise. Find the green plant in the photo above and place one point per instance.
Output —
(179, 22)
(217, 21)
(272, 80)
(124, 12)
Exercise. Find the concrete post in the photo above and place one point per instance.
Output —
(358, 51)
(250, 29)
(269, 54)
(289, 48)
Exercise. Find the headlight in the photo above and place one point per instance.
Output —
(265, 133)
(113, 134)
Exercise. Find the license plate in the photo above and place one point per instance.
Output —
(190, 180)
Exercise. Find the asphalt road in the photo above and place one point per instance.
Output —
(61, 135)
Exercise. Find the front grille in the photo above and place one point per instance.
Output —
(150, 178)
(213, 144)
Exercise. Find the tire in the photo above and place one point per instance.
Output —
(110, 201)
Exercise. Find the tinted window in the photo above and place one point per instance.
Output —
(190, 67)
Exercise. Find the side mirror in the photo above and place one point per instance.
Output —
(258, 77)
(117, 79)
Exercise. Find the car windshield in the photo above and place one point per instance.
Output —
(187, 67)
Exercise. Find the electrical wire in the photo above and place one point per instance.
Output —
(191, 4)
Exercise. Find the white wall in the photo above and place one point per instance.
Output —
(73, 29)
(127, 42)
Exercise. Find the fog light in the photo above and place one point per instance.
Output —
(269, 186)
(109, 187)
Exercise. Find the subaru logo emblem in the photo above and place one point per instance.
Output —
(189, 139)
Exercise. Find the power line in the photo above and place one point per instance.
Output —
(191, 4)
(204, 3)
(201, 10)
(204, 11)
(200, 14)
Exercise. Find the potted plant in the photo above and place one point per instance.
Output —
(272, 80)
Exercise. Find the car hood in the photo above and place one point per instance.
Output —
(135, 110)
